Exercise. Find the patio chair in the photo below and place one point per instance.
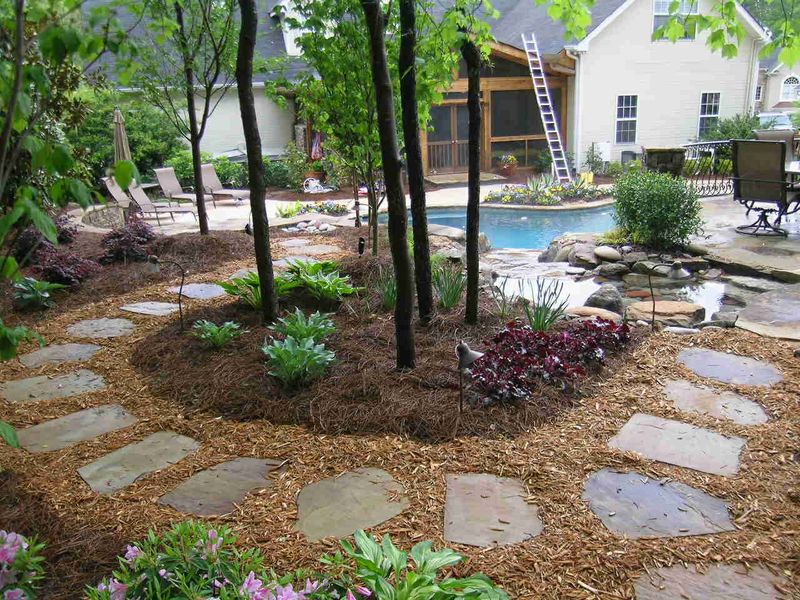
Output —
(117, 193)
(171, 187)
(213, 185)
(148, 207)
(779, 135)
(760, 184)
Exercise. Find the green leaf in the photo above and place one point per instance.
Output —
(8, 220)
(124, 173)
(9, 269)
(8, 434)
(41, 221)
(57, 42)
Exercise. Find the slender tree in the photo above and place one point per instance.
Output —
(255, 162)
(472, 57)
(398, 240)
(416, 184)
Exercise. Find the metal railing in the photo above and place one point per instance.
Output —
(709, 167)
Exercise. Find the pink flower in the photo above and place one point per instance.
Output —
(350, 595)
(102, 587)
(7, 577)
(164, 574)
(363, 591)
(117, 590)
(213, 543)
(132, 553)
(15, 594)
(311, 587)
(7, 555)
(251, 585)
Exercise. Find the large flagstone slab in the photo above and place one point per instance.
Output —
(57, 354)
(633, 505)
(200, 291)
(217, 490)
(101, 328)
(341, 505)
(708, 401)
(485, 510)
(773, 314)
(42, 387)
(321, 249)
(74, 428)
(122, 467)
(715, 582)
(152, 309)
(679, 444)
(729, 368)
(293, 242)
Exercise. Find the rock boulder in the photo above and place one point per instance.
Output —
(606, 297)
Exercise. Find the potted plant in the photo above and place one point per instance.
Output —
(508, 165)
(315, 170)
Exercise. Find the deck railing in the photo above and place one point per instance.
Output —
(709, 167)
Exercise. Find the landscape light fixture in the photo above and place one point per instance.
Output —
(154, 266)
(466, 356)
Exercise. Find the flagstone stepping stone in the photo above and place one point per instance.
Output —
(774, 314)
(57, 354)
(729, 368)
(43, 387)
(122, 467)
(633, 505)
(76, 427)
(217, 490)
(708, 401)
(321, 249)
(153, 309)
(339, 506)
(101, 328)
(200, 291)
(282, 263)
(241, 273)
(680, 444)
(485, 510)
(716, 582)
(293, 242)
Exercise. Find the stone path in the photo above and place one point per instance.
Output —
(101, 328)
(200, 291)
(122, 467)
(679, 444)
(729, 368)
(321, 249)
(34, 389)
(633, 505)
(216, 491)
(773, 314)
(485, 510)
(689, 397)
(293, 242)
(57, 354)
(717, 582)
(74, 428)
(153, 309)
(339, 506)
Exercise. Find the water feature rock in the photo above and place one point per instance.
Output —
(607, 297)
(773, 314)
(574, 270)
(724, 318)
(754, 284)
(591, 312)
(710, 274)
(484, 245)
(582, 255)
(630, 258)
(729, 368)
(667, 312)
(696, 249)
(562, 254)
(612, 269)
(607, 253)
(682, 330)
(717, 582)
(644, 267)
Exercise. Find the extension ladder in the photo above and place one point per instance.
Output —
(560, 166)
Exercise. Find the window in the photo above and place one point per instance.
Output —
(709, 112)
(627, 109)
(661, 14)
(791, 89)
(759, 91)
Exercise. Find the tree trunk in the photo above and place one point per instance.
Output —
(194, 136)
(372, 217)
(416, 183)
(356, 199)
(472, 57)
(396, 199)
(255, 162)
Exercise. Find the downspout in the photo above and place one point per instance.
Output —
(577, 113)
(749, 99)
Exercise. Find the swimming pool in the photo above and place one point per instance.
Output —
(532, 229)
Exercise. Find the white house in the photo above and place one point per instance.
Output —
(778, 88)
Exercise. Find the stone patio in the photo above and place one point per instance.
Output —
(34, 389)
(708, 401)
(57, 354)
(773, 314)
(729, 368)
(74, 428)
(101, 328)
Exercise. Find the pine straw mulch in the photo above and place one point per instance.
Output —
(42, 494)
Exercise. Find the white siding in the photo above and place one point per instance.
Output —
(773, 88)
(224, 129)
(668, 79)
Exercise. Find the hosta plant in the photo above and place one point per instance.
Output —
(296, 363)
(247, 289)
(316, 326)
(21, 566)
(32, 294)
(216, 336)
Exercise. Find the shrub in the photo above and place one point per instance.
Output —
(737, 127)
(247, 289)
(62, 266)
(386, 285)
(216, 336)
(277, 173)
(593, 161)
(519, 357)
(296, 162)
(30, 240)
(614, 169)
(547, 305)
(285, 211)
(614, 237)
(231, 174)
(32, 294)
(541, 160)
(449, 281)
(660, 211)
(181, 161)
(316, 326)
(21, 567)
(545, 190)
(297, 363)
(127, 243)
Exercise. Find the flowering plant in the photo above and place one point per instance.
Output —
(545, 190)
(20, 566)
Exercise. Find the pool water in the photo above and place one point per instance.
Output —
(532, 229)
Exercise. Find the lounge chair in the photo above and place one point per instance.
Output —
(760, 184)
(148, 207)
(779, 135)
(213, 185)
(171, 187)
(117, 193)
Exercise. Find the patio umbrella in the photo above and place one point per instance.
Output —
(121, 149)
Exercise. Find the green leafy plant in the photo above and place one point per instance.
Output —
(21, 566)
(614, 237)
(32, 294)
(277, 173)
(216, 336)
(321, 280)
(289, 210)
(449, 281)
(508, 160)
(547, 306)
(247, 289)
(541, 160)
(299, 267)
(296, 162)
(297, 363)
(503, 299)
(12, 337)
(316, 326)
(181, 162)
(593, 161)
(660, 211)
(9, 435)
(386, 284)
(737, 127)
